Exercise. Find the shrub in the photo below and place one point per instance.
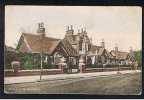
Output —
(138, 57)
(9, 57)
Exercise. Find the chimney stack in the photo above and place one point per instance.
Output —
(69, 31)
(41, 29)
(67, 28)
(78, 31)
(116, 48)
(71, 27)
(85, 29)
(103, 43)
(91, 40)
(81, 30)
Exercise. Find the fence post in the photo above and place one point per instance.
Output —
(16, 66)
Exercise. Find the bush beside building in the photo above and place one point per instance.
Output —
(138, 57)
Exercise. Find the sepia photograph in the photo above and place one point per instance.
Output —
(91, 50)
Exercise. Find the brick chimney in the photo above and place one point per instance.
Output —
(69, 30)
(41, 29)
(116, 48)
(103, 43)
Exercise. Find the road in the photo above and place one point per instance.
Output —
(25, 79)
(119, 84)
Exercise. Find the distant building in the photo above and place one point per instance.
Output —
(96, 54)
(123, 57)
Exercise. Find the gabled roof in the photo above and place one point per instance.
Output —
(68, 47)
(94, 48)
(47, 44)
(72, 39)
(120, 54)
(36, 44)
(109, 54)
(100, 51)
(131, 57)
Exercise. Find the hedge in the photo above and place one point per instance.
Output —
(27, 61)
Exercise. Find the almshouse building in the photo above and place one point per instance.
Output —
(96, 54)
(53, 49)
(72, 47)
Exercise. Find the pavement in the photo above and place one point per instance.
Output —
(23, 79)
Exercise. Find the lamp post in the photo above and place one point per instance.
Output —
(41, 32)
(41, 54)
(41, 66)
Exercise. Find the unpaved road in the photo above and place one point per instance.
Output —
(120, 84)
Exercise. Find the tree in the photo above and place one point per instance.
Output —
(138, 57)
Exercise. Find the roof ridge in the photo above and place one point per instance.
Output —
(38, 35)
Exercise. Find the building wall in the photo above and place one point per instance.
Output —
(81, 40)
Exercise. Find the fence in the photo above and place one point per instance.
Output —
(10, 72)
(88, 70)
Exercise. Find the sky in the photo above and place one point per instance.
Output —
(121, 25)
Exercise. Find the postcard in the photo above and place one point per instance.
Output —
(73, 50)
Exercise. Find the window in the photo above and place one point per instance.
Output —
(46, 59)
